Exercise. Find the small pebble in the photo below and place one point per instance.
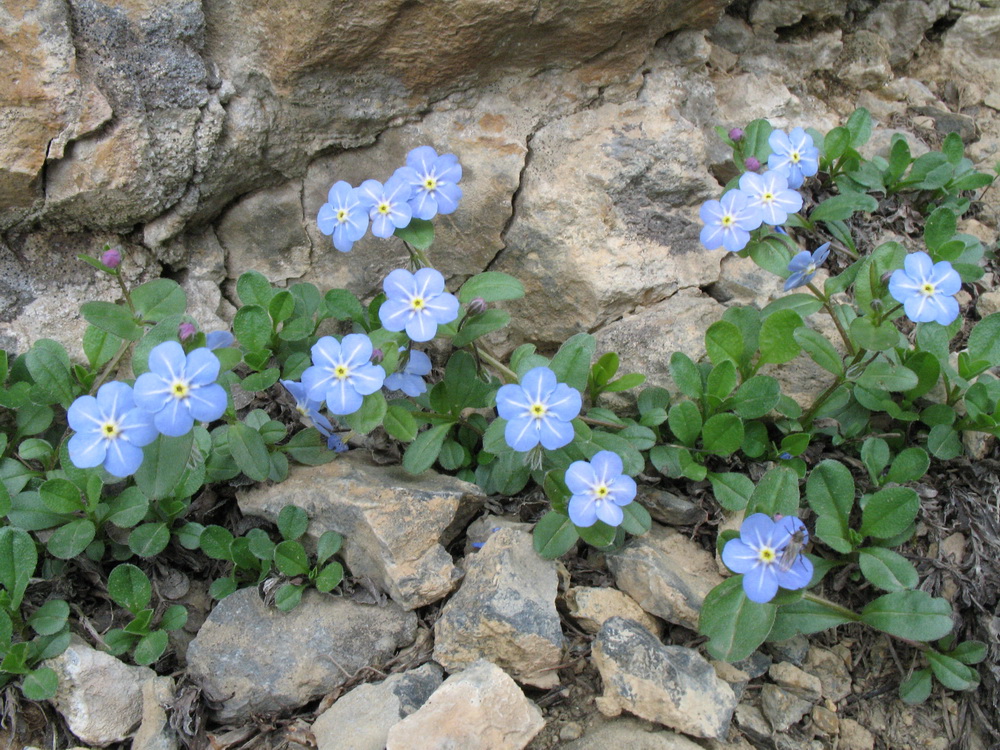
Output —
(570, 731)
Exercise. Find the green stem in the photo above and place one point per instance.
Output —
(833, 316)
(807, 418)
(110, 367)
(508, 374)
(418, 259)
(842, 611)
(125, 292)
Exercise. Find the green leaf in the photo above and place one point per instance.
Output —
(756, 397)
(290, 558)
(40, 684)
(755, 140)
(777, 337)
(288, 596)
(49, 365)
(860, 126)
(149, 539)
(909, 466)
(292, 522)
(776, 492)
(940, 227)
(803, 304)
(625, 382)
(18, 559)
(722, 434)
(943, 442)
(917, 688)
(400, 423)
(159, 298)
(953, 149)
(370, 415)
(732, 490)
(253, 288)
(842, 207)
(129, 587)
(150, 647)
(899, 160)
(820, 350)
(984, 340)
(491, 286)
(970, 652)
(260, 381)
(328, 545)
(721, 382)
(222, 587)
(343, 305)
(636, 519)
(252, 327)
(70, 540)
(50, 618)
(886, 569)
(309, 447)
(419, 233)
(572, 362)
(249, 451)
(886, 376)
(112, 318)
(830, 492)
(216, 542)
(599, 535)
(61, 496)
(554, 535)
(909, 614)
(480, 325)
(281, 306)
(163, 464)
(889, 511)
(734, 625)
(723, 341)
(684, 421)
(836, 142)
(875, 454)
(686, 375)
(421, 454)
(867, 335)
(804, 616)
(329, 577)
(99, 346)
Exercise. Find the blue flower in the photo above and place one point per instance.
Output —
(387, 205)
(728, 222)
(793, 154)
(599, 490)
(307, 407)
(803, 266)
(926, 290)
(768, 554)
(770, 193)
(179, 388)
(343, 216)
(539, 410)
(433, 180)
(417, 302)
(219, 339)
(341, 373)
(410, 381)
(110, 430)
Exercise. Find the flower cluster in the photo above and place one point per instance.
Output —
(179, 389)
(425, 187)
(768, 553)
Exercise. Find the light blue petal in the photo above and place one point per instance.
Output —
(610, 513)
(554, 434)
(711, 212)
(421, 159)
(418, 364)
(448, 196)
(151, 392)
(797, 279)
(174, 419)
(918, 309)
(760, 584)
(582, 511)
(623, 491)
(367, 378)
(918, 266)
(326, 219)
(580, 477)
(448, 169)
(758, 531)
(945, 309)
(797, 576)
(317, 381)
(84, 415)
(538, 383)
(369, 194)
(400, 285)
(114, 399)
(424, 205)
(395, 314)
(342, 239)
(326, 353)
(945, 279)
(137, 427)
(356, 350)
(421, 326)
(342, 399)
(512, 401)
(735, 239)
(382, 225)
(564, 402)
(739, 556)
(711, 237)
(429, 282)
(208, 402)
(607, 466)
(785, 528)
(521, 433)
(167, 360)
(123, 458)
(202, 367)
(219, 339)
(443, 308)
(87, 450)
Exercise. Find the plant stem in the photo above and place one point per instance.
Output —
(833, 316)
(842, 611)
(506, 373)
(807, 418)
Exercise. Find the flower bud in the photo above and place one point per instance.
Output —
(886, 276)
(186, 331)
(736, 134)
(785, 456)
(111, 257)
(876, 304)
(476, 306)
(752, 164)
(377, 356)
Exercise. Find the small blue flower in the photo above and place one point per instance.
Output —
(770, 193)
(387, 205)
(599, 490)
(219, 340)
(539, 410)
(728, 222)
(333, 440)
(768, 554)
(343, 216)
(803, 266)
(926, 289)
(434, 181)
(110, 430)
(307, 407)
(410, 381)
(793, 154)
(417, 303)
(179, 388)
(341, 373)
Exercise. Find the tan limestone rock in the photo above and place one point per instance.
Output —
(591, 606)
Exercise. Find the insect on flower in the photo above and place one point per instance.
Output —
(792, 549)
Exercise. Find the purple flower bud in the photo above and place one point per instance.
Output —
(377, 356)
(111, 257)
(186, 331)
(476, 306)
(736, 134)
(752, 164)
(785, 457)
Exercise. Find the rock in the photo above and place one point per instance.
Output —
(667, 508)
(796, 681)
(825, 720)
(902, 23)
(975, 34)
(864, 62)
(853, 736)
(782, 708)
(504, 612)
(754, 665)
(736, 678)
(772, 14)
(950, 122)
(751, 721)
(99, 696)
(670, 685)
(570, 731)
(630, 733)
(666, 573)
(480, 708)
(155, 731)
(487, 525)
(253, 659)
(831, 671)
(394, 524)
(361, 719)
(590, 607)
(794, 649)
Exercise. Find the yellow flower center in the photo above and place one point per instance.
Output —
(300, 409)
(795, 157)
(384, 208)
(342, 215)
(418, 303)
(179, 389)
(811, 268)
(110, 430)
(767, 197)
(766, 555)
(601, 491)
(430, 184)
(727, 220)
(538, 410)
(927, 289)
(341, 372)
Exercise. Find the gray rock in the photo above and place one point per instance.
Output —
(255, 659)
(480, 708)
(782, 708)
(630, 733)
(361, 719)
(772, 14)
(155, 731)
(99, 696)
(394, 524)
(668, 508)
(793, 649)
(950, 122)
(864, 62)
(902, 23)
(976, 33)
(797, 681)
(671, 685)
(832, 672)
(504, 612)
(754, 665)
(592, 606)
(667, 574)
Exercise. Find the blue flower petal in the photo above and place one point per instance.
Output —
(607, 466)
(760, 584)
(84, 415)
(512, 401)
(174, 420)
(207, 403)
(580, 477)
(797, 576)
(623, 491)
(123, 458)
(521, 433)
(554, 434)
(151, 392)
(167, 360)
(421, 327)
(739, 556)
(564, 402)
(538, 383)
(202, 367)
(610, 513)
(582, 511)
(367, 378)
(342, 399)
(87, 450)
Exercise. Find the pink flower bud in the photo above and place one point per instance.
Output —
(377, 356)
(186, 331)
(111, 257)
(476, 306)
(736, 134)
(752, 164)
